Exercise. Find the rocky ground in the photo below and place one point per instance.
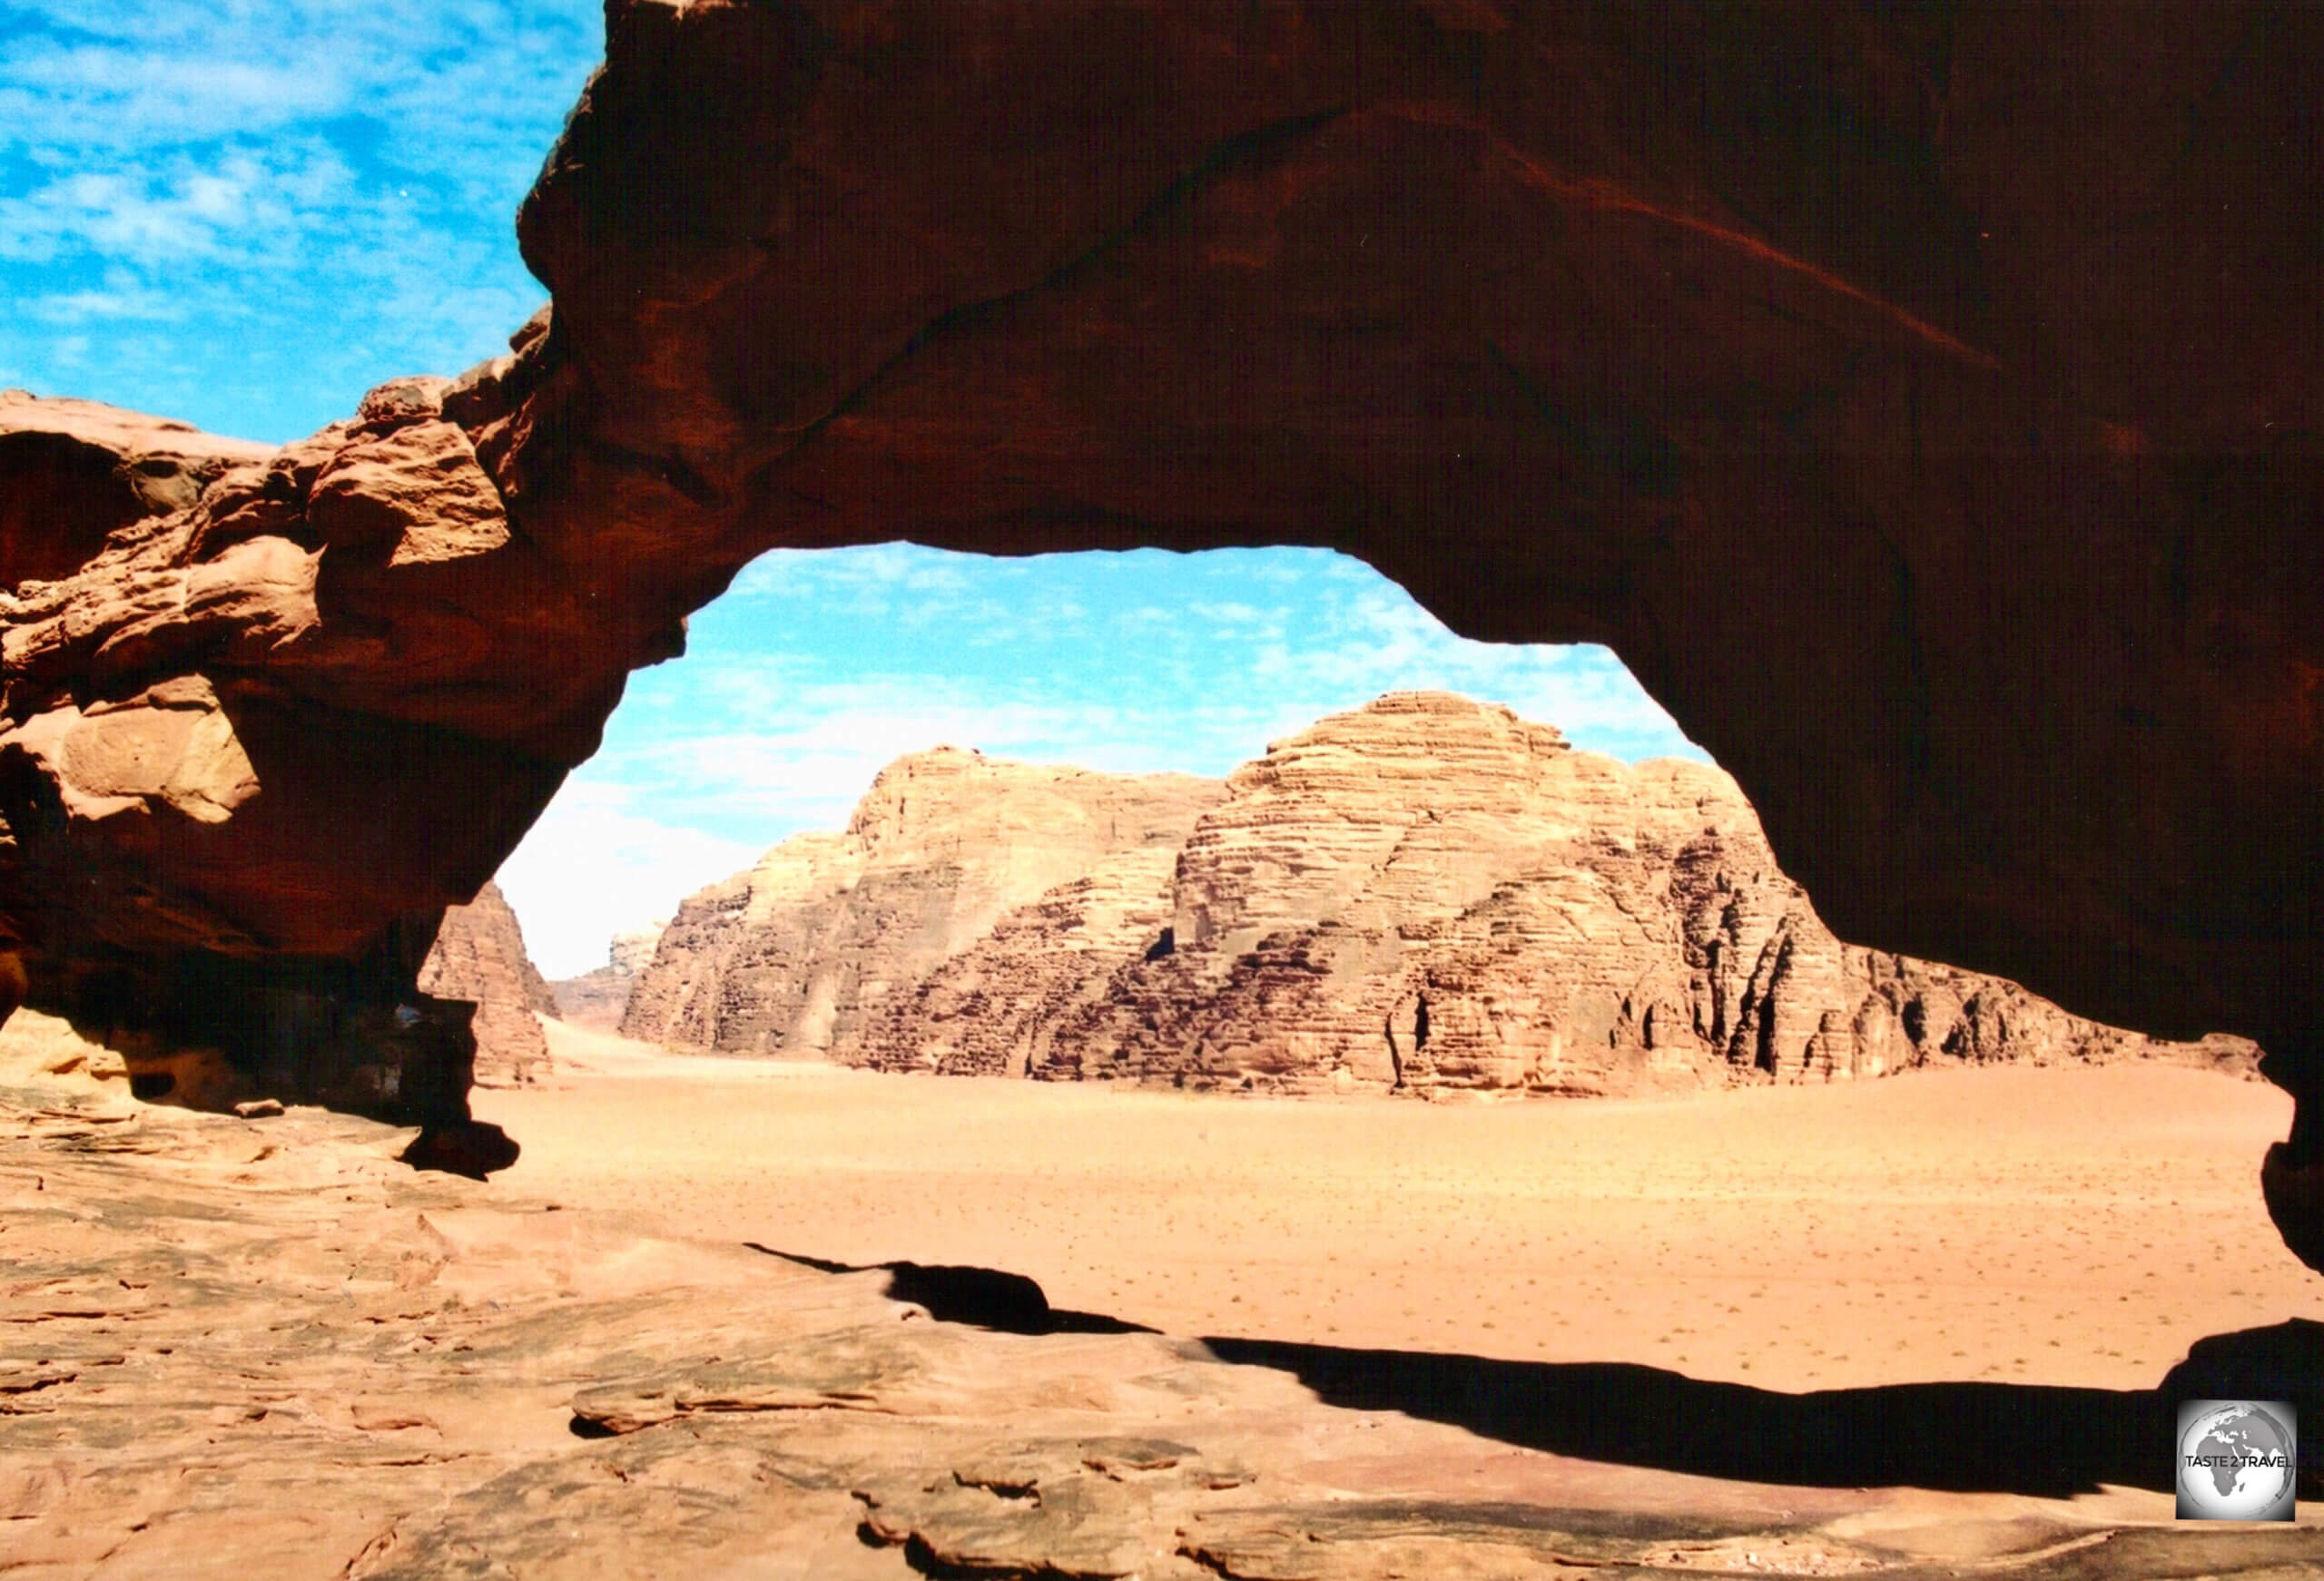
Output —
(234, 1347)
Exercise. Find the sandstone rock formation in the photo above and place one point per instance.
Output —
(791, 957)
(996, 1008)
(480, 956)
(1428, 894)
(599, 998)
(222, 831)
(1918, 399)
(233, 1348)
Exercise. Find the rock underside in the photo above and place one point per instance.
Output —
(239, 1347)
(1920, 399)
(1426, 894)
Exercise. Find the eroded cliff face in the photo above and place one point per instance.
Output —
(1432, 894)
(793, 957)
(1427, 894)
(1920, 400)
(480, 956)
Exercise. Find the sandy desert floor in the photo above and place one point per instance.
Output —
(2059, 1226)
(234, 1347)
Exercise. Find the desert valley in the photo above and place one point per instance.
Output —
(1576, 928)
(1655, 1134)
(1416, 1145)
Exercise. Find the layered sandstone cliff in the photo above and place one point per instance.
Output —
(480, 956)
(1430, 894)
(1426, 894)
(793, 956)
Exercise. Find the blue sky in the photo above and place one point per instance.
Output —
(246, 214)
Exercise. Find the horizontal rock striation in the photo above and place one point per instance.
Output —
(995, 1008)
(1432, 894)
(1426, 894)
(793, 956)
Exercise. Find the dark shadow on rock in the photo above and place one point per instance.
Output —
(473, 1148)
(2283, 1362)
(986, 1298)
(1985, 1437)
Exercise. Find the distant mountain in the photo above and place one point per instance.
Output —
(1426, 894)
(599, 998)
(480, 956)
(798, 955)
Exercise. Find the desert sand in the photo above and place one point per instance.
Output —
(2065, 1225)
(260, 1345)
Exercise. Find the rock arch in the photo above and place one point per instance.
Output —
(1921, 399)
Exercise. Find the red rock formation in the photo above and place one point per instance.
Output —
(995, 1008)
(480, 956)
(793, 957)
(1917, 399)
(1430, 894)
(1921, 400)
(240, 766)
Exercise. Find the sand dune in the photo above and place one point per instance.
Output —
(2068, 1226)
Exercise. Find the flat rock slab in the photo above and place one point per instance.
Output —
(233, 1348)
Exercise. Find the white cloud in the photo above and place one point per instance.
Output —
(242, 207)
(320, 192)
(592, 867)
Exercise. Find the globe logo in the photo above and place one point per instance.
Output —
(2237, 1459)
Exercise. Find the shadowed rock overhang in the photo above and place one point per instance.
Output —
(1923, 402)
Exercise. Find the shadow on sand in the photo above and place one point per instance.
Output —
(1965, 1437)
(986, 1298)
(1980, 1437)
(1987, 1438)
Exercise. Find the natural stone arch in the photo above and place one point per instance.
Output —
(1920, 401)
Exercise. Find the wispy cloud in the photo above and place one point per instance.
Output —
(316, 193)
